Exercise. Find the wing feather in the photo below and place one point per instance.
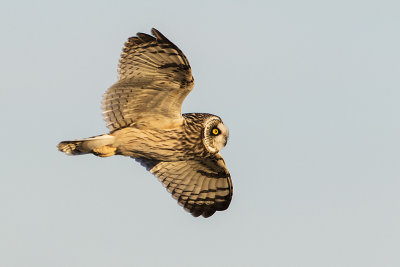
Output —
(201, 186)
(154, 79)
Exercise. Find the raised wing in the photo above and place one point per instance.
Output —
(201, 186)
(154, 79)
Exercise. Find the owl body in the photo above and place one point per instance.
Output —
(143, 113)
(183, 142)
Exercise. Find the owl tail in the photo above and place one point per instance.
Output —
(98, 145)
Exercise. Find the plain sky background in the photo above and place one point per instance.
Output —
(310, 91)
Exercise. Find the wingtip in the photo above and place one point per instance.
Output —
(154, 31)
(144, 37)
(159, 35)
(161, 38)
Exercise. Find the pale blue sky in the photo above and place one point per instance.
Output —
(310, 91)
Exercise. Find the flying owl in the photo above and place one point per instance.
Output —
(143, 113)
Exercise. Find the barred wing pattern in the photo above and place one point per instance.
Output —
(201, 186)
(154, 79)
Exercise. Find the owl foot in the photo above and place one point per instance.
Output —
(104, 151)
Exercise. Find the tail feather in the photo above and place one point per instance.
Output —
(99, 145)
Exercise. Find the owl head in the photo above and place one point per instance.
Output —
(215, 134)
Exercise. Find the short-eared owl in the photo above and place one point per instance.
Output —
(143, 113)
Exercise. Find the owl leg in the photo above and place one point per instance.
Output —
(98, 145)
(105, 151)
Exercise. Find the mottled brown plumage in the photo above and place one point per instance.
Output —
(143, 113)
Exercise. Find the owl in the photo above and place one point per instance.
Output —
(142, 111)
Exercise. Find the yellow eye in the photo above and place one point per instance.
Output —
(215, 131)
